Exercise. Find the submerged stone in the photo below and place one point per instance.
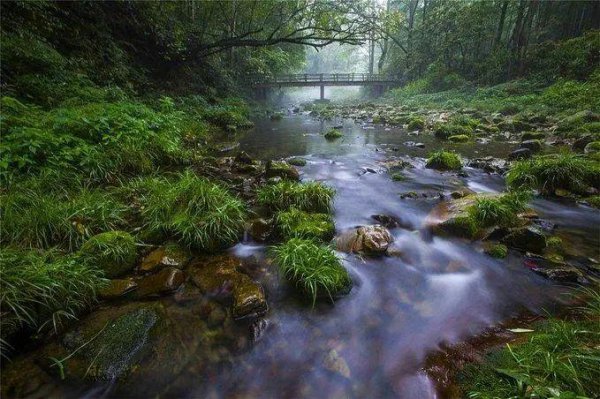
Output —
(365, 239)
(527, 238)
(336, 364)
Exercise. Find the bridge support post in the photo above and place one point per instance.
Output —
(322, 92)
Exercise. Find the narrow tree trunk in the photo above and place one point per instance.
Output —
(500, 29)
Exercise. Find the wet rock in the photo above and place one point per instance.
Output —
(243, 157)
(420, 145)
(533, 145)
(220, 277)
(488, 164)
(452, 218)
(226, 147)
(297, 161)
(388, 221)
(527, 238)
(163, 282)
(410, 194)
(365, 239)
(461, 193)
(556, 271)
(281, 169)
(258, 329)
(521, 153)
(168, 255)
(260, 229)
(582, 142)
(117, 288)
(336, 364)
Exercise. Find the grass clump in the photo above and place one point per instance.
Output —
(444, 160)
(294, 223)
(445, 130)
(498, 211)
(45, 219)
(499, 251)
(114, 252)
(199, 213)
(398, 176)
(560, 359)
(566, 171)
(333, 134)
(459, 138)
(307, 197)
(593, 201)
(42, 289)
(297, 161)
(416, 123)
(315, 270)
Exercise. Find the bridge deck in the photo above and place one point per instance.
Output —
(327, 79)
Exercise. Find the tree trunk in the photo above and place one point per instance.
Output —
(500, 29)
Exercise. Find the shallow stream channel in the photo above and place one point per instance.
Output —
(428, 293)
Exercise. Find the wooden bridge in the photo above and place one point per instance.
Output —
(379, 81)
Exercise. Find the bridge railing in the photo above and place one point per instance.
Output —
(328, 77)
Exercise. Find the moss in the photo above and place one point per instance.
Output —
(499, 251)
(398, 176)
(416, 123)
(297, 161)
(592, 147)
(114, 252)
(445, 130)
(444, 160)
(294, 223)
(554, 242)
(461, 226)
(533, 136)
(577, 120)
(333, 134)
(500, 210)
(593, 201)
(113, 352)
(459, 138)
(307, 197)
(315, 270)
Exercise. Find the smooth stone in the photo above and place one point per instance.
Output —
(336, 364)
(373, 239)
(117, 288)
(527, 238)
(164, 282)
(169, 255)
(260, 229)
(281, 169)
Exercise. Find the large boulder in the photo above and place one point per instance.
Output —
(281, 169)
(528, 238)
(221, 277)
(372, 240)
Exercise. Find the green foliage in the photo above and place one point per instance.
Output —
(416, 123)
(113, 252)
(500, 210)
(314, 269)
(43, 289)
(444, 160)
(333, 134)
(594, 201)
(446, 130)
(200, 213)
(307, 197)
(459, 138)
(499, 251)
(560, 359)
(548, 173)
(297, 161)
(34, 218)
(398, 176)
(294, 223)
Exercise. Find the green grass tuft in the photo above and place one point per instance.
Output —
(315, 270)
(307, 197)
(548, 173)
(200, 213)
(294, 223)
(333, 134)
(501, 210)
(444, 160)
(114, 252)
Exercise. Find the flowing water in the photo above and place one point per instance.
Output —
(371, 343)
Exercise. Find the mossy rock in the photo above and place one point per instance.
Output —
(444, 160)
(498, 251)
(416, 123)
(114, 252)
(333, 134)
(398, 177)
(592, 147)
(533, 136)
(281, 169)
(297, 161)
(459, 138)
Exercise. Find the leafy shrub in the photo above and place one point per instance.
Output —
(113, 252)
(42, 289)
(315, 270)
(295, 223)
(307, 197)
(200, 213)
(444, 160)
(548, 173)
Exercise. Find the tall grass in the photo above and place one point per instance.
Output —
(307, 197)
(315, 270)
(200, 213)
(42, 289)
(548, 173)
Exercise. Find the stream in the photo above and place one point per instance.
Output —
(373, 342)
